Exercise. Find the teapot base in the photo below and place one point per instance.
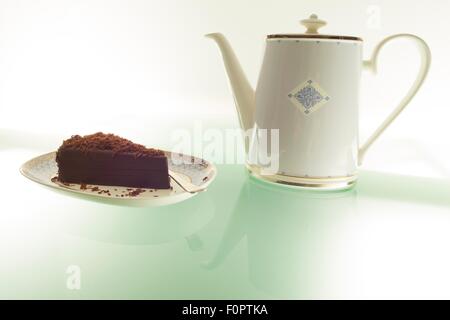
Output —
(325, 184)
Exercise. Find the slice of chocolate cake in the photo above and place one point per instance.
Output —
(106, 159)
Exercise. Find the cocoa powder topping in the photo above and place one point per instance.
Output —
(108, 142)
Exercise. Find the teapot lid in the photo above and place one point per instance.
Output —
(312, 24)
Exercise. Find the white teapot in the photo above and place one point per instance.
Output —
(308, 98)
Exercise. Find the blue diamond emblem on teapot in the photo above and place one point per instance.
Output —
(308, 96)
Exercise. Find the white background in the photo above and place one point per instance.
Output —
(137, 68)
(143, 69)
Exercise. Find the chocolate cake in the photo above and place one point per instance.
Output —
(106, 159)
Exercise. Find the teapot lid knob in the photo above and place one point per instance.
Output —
(312, 24)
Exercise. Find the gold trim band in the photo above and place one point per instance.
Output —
(331, 183)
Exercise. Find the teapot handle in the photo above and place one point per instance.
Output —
(372, 66)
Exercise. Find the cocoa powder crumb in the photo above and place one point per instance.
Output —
(55, 179)
(136, 192)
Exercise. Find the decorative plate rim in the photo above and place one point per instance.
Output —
(212, 169)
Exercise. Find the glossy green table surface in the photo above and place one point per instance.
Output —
(386, 238)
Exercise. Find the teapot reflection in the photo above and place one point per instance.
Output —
(293, 238)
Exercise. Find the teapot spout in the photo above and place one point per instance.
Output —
(243, 93)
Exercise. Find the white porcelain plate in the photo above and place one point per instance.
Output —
(43, 169)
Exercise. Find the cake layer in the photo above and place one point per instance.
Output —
(154, 181)
(110, 160)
